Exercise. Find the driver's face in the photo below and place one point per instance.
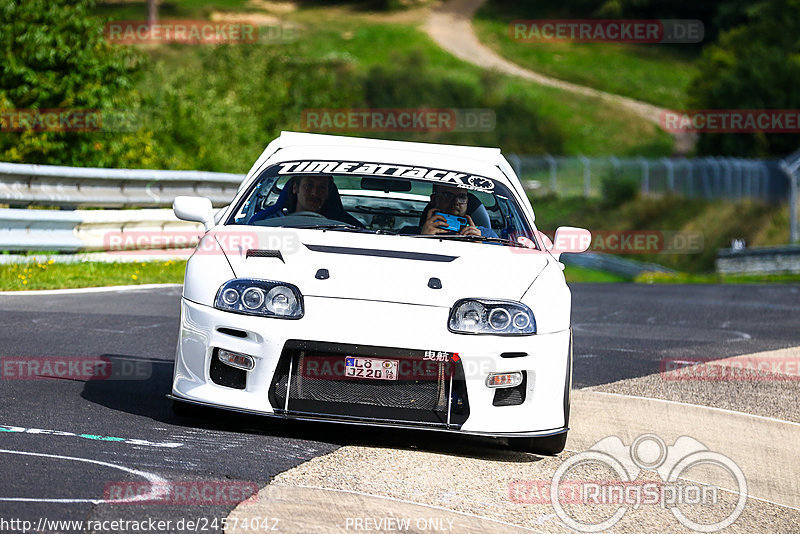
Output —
(311, 191)
(450, 200)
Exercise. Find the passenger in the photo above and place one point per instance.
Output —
(453, 201)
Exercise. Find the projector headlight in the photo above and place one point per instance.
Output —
(260, 297)
(483, 316)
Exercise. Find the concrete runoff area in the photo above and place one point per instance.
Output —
(738, 384)
(348, 488)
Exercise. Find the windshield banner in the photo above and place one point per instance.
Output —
(452, 178)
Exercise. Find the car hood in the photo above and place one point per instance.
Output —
(388, 268)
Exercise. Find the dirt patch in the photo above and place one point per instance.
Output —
(280, 8)
(256, 19)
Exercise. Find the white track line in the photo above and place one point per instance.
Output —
(79, 290)
(157, 484)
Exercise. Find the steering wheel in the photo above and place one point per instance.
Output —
(309, 214)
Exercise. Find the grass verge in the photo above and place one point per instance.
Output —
(715, 278)
(215, 108)
(651, 73)
(718, 222)
(575, 274)
(51, 275)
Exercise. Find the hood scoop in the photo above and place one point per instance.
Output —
(398, 254)
(264, 253)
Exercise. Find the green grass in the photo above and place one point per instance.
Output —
(51, 275)
(715, 278)
(649, 72)
(30, 276)
(360, 42)
(719, 222)
(589, 128)
(137, 10)
(575, 274)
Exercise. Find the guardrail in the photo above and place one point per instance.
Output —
(612, 264)
(89, 230)
(51, 185)
(759, 260)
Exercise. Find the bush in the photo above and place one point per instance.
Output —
(753, 66)
(617, 189)
(55, 57)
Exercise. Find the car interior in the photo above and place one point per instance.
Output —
(393, 205)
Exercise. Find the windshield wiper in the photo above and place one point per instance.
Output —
(336, 226)
(477, 238)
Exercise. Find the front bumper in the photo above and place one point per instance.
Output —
(546, 363)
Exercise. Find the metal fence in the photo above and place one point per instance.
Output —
(23, 185)
(710, 177)
(791, 167)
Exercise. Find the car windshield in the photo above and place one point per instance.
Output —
(358, 197)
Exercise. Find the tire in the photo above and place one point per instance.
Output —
(547, 446)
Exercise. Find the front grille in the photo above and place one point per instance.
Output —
(423, 393)
(511, 396)
(224, 375)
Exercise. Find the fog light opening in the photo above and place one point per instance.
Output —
(504, 380)
(234, 359)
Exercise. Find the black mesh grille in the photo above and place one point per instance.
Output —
(225, 375)
(511, 396)
(319, 385)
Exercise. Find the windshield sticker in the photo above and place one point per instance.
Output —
(456, 179)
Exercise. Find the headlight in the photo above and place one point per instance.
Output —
(260, 297)
(501, 317)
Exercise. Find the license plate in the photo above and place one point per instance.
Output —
(370, 368)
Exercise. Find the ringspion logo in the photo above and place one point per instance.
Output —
(579, 482)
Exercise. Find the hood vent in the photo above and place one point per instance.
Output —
(399, 254)
(261, 253)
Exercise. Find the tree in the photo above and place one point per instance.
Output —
(54, 56)
(753, 66)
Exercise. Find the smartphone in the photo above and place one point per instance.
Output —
(454, 222)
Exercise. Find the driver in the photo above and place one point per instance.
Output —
(453, 201)
(311, 193)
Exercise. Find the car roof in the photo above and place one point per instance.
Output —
(480, 161)
(477, 160)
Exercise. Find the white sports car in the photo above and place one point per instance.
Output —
(379, 282)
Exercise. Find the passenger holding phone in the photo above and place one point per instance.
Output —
(451, 201)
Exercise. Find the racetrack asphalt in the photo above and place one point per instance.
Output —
(622, 332)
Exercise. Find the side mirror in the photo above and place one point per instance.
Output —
(196, 209)
(570, 239)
